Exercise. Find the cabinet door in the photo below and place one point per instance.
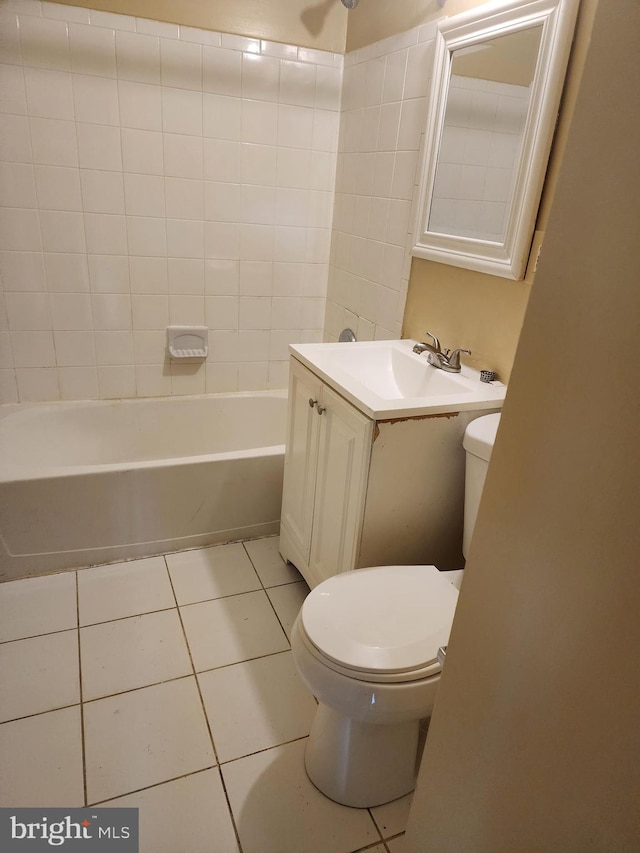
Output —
(300, 460)
(343, 464)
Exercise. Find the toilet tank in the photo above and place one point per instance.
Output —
(478, 442)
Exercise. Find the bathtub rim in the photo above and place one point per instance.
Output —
(18, 474)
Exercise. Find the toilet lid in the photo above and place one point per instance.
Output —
(387, 619)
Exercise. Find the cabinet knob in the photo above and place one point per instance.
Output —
(322, 409)
(312, 402)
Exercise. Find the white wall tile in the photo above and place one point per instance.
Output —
(148, 275)
(144, 195)
(13, 96)
(221, 277)
(54, 142)
(185, 238)
(35, 384)
(297, 83)
(17, 185)
(186, 276)
(222, 240)
(102, 192)
(184, 198)
(22, 271)
(221, 117)
(106, 234)
(221, 160)
(183, 156)
(222, 201)
(147, 236)
(49, 93)
(109, 273)
(66, 273)
(58, 188)
(260, 77)
(99, 147)
(75, 349)
(32, 349)
(44, 43)
(138, 57)
(71, 311)
(111, 311)
(259, 122)
(15, 141)
(28, 312)
(116, 383)
(180, 64)
(92, 50)
(142, 151)
(154, 174)
(181, 111)
(62, 231)
(222, 71)
(140, 105)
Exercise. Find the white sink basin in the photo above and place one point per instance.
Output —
(387, 379)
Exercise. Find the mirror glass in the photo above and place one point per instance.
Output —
(496, 86)
(488, 101)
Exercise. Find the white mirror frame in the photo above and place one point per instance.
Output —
(557, 17)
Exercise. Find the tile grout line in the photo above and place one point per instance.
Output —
(202, 705)
(264, 588)
(82, 727)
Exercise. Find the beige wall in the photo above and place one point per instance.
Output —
(534, 740)
(308, 23)
(373, 20)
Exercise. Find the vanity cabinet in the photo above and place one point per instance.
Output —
(326, 467)
(362, 492)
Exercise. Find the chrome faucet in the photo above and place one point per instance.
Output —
(430, 348)
(447, 360)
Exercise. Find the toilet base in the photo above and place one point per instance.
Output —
(361, 764)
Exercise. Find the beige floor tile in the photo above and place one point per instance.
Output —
(133, 652)
(211, 573)
(391, 818)
(39, 674)
(256, 705)
(188, 814)
(287, 601)
(398, 845)
(38, 606)
(138, 739)
(123, 589)
(230, 630)
(42, 761)
(268, 563)
(278, 810)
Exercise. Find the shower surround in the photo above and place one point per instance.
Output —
(153, 174)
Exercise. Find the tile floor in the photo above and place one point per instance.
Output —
(167, 684)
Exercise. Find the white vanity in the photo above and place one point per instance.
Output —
(374, 465)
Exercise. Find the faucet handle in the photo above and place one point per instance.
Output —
(454, 358)
(436, 342)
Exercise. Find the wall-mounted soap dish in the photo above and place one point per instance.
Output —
(188, 341)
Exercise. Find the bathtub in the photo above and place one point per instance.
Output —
(83, 483)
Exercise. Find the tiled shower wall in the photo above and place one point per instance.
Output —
(383, 109)
(152, 174)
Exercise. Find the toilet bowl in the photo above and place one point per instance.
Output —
(365, 642)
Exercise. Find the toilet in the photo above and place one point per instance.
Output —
(366, 644)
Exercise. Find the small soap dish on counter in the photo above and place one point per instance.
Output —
(188, 341)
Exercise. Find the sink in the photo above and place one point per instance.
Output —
(387, 379)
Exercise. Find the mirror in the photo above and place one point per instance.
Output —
(497, 81)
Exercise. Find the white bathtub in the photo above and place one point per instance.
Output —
(94, 482)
